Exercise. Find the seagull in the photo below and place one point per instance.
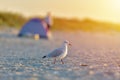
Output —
(59, 53)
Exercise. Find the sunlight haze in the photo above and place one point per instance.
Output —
(105, 10)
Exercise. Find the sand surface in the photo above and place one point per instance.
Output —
(91, 57)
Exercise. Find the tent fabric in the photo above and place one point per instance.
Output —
(33, 27)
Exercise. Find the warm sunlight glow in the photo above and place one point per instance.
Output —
(104, 10)
(115, 4)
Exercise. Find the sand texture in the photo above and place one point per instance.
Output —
(91, 57)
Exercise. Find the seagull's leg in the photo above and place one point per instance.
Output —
(54, 61)
(62, 61)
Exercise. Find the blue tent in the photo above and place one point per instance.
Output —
(34, 26)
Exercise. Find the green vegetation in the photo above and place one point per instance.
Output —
(15, 20)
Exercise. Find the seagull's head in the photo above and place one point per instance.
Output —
(67, 42)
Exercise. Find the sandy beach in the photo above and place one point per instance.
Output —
(91, 57)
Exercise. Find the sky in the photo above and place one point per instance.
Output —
(104, 10)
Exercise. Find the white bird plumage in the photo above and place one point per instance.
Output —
(59, 53)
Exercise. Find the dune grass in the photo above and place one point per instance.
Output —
(84, 25)
(16, 20)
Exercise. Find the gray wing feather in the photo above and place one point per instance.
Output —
(55, 53)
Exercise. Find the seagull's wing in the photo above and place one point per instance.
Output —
(56, 52)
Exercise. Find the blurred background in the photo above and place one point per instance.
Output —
(91, 26)
(67, 15)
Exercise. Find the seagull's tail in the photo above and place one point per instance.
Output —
(44, 57)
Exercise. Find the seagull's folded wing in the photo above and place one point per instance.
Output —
(56, 52)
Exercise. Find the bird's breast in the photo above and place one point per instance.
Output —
(63, 54)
